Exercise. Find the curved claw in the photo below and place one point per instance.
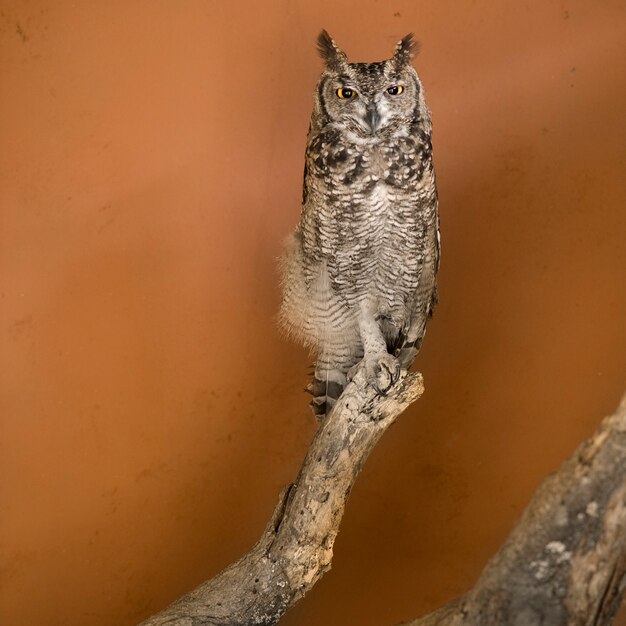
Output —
(379, 391)
(382, 372)
(396, 374)
(393, 377)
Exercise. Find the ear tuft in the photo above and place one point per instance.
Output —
(406, 49)
(330, 52)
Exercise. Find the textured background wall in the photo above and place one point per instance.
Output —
(151, 162)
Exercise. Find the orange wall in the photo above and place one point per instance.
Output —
(151, 162)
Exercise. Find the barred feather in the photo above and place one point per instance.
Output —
(359, 272)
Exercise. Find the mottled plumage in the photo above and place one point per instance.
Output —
(359, 271)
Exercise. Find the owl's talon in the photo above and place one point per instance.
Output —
(381, 372)
(379, 391)
(396, 375)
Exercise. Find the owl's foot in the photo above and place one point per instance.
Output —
(381, 371)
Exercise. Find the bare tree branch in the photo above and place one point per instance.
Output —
(563, 565)
(565, 562)
(297, 546)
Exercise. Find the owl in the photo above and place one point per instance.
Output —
(359, 271)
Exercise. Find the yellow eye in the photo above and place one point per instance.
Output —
(395, 90)
(345, 93)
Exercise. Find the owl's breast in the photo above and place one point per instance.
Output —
(366, 214)
(401, 162)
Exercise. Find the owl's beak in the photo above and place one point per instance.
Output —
(372, 117)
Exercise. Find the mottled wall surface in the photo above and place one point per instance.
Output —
(151, 163)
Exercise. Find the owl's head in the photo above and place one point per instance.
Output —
(369, 99)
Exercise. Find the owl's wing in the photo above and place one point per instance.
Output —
(410, 338)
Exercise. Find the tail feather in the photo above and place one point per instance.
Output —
(330, 378)
(326, 392)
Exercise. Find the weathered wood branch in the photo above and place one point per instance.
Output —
(565, 562)
(563, 565)
(297, 545)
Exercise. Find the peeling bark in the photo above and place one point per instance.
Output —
(296, 548)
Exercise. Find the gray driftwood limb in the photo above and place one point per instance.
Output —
(297, 545)
(565, 561)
